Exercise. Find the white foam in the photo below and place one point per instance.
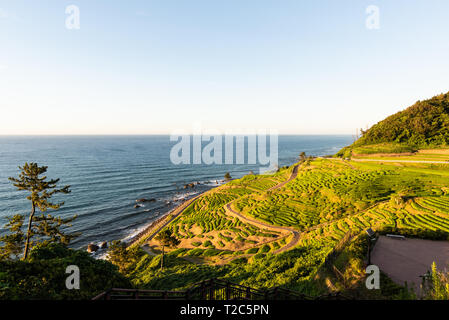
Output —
(135, 232)
(183, 196)
(213, 182)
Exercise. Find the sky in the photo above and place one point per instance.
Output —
(160, 66)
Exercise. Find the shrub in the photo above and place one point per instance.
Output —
(252, 250)
(207, 244)
(43, 276)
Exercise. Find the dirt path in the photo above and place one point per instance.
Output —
(296, 234)
(258, 223)
(292, 176)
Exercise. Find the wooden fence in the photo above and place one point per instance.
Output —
(213, 289)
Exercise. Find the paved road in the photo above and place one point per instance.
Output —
(406, 161)
(394, 161)
(407, 260)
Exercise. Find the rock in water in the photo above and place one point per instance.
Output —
(92, 247)
(145, 200)
(103, 245)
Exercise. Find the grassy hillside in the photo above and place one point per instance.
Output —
(330, 203)
(423, 125)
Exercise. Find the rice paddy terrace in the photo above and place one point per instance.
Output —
(326, 200)
(206, 229)
(282, 229)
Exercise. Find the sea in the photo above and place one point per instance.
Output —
(107, 174)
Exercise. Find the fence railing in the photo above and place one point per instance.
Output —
(213, 289)
(333, 254)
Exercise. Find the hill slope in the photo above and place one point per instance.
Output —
(423, 125)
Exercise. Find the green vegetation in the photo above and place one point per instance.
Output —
(331, 202)
(328, 190)
(41, 229)
(307, 234)
(206, 224)
(166, 239)
(43, 275)
(437, 285)
(384, 148)
(425, 125)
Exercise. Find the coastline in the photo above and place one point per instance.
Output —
(154, 227)
(157, 225)
(104, 209)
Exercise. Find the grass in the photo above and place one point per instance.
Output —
(383, 148)
(205, 222)
(328, 200)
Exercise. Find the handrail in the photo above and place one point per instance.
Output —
(212, 289)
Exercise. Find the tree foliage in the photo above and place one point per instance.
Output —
(123, 257)
(423, 125)
(43, 275)
(44, 228)
(166, 239)
(13, 242)
(436, 284)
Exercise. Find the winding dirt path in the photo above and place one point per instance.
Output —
(295, 233)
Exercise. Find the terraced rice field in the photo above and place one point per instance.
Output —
(204, 224)
(316, 196)
(325, 211)
(423, 213)
(326, 201)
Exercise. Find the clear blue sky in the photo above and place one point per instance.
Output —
(143, 67)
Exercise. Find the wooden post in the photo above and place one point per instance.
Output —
(211, 290)
(203, 291)
(228, 291)
(369, 251)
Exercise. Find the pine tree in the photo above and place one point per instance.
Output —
(40, 192)
(166, 239)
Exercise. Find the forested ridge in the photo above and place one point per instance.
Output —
(422, 125)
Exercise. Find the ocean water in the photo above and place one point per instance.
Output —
(108, 173)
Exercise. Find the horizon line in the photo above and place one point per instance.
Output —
(166, 134)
